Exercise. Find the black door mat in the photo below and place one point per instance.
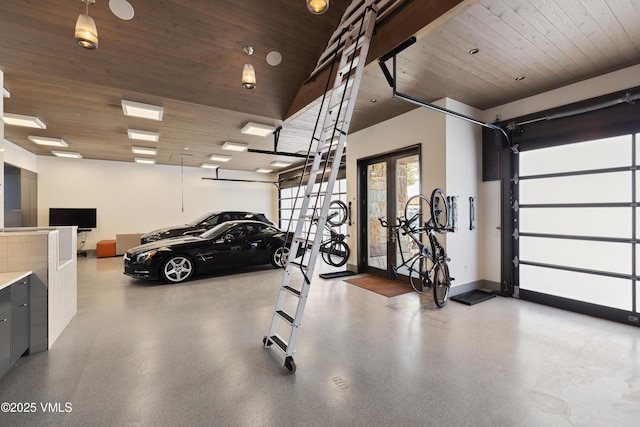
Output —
(474, 297)
(335, 274)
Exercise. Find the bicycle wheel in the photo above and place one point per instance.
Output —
(338, 213)
(439, 210)
(442, 284)
(419, 275)
(416, 212)
(336, 253)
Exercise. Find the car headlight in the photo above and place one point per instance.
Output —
(145, 256)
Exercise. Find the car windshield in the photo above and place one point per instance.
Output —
(199, 219)
(217, 230)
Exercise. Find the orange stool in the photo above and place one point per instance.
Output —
(106, 248)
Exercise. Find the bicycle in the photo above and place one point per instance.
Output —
(334, 249)
(428, 266)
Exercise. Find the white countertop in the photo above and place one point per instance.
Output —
(9, 277)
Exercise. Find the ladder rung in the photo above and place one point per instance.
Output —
(354, 46)
(349, 66)
(285, 316)
(299, 264)
(291, 290)
(279, 342)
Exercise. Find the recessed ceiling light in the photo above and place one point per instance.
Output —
(144, 150)
(209, 166)
(280, 164)
(257, 129)
(6, 93)
(145, 161)
(235, 146)
(219, 158)
(143, 135)
(264, 170)
(22, 120)
(67, 154)
(144, 111)
(54, 142)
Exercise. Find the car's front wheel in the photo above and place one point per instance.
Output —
(280, 256)
(176, 269)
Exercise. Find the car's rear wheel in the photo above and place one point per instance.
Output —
(176, 269)
(280, 256)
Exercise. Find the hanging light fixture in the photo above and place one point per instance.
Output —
(86, 31)
(317, 6)
(248, 73)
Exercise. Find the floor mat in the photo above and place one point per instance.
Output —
(381, 286)
(473, 297)
(335, 274)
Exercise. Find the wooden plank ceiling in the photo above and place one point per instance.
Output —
(187, 56)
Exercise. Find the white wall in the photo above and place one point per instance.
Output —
(19, 157)
(136, 198)
(464, 173)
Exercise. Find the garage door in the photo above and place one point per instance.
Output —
(578, 225)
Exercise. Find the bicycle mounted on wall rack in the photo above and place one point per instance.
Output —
(427, 267)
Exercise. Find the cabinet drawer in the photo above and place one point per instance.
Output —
(19, 290)
(5, 299)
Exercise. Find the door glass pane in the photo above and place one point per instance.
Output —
(600, 256)
(377, 201)
(407, 186)
(599, 222)
(596, 154)
(601, 290)
(602, 188)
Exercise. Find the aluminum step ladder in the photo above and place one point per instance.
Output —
(350, 43)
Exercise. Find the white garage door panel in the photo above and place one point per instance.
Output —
(598, 222)
(588, 255)
(596, 154)
(601, 290)
(614, 187)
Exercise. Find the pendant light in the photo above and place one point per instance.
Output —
(248, 73)
(317, 6)
(86, 32)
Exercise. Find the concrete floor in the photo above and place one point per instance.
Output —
(140, 353)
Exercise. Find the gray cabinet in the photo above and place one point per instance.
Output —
(5, 330)
(14, 323)
(19, 319)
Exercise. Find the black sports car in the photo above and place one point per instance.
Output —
(200, 225)
(230, 244)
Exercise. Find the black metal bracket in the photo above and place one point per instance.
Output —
(276, 137)
(391, 79)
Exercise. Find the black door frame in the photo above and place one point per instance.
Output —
(362, 234)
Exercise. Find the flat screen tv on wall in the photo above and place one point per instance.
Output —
(82, 217)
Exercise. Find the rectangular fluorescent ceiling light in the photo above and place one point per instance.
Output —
(219, 158)
(144, 150)
(144, 111)
(257, 129)
(209, 166)
(235, 146)
(143, 135)
(280, 164)
(21, 120)
(42, 140)
(67, 154)
(264, 170)
(6, 93)
(145, 161)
